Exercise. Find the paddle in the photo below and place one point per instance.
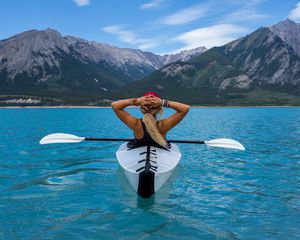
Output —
(68, 138)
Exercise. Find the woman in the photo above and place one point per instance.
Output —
(149, 130)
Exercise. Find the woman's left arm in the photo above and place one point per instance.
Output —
(181, 111)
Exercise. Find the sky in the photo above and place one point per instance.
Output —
(158, 26)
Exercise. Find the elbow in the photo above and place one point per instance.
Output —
(113, 105)
(116, 105)
(186, 108)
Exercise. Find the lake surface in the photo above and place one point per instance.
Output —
(78, 191)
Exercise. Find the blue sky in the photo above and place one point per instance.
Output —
(159, 26)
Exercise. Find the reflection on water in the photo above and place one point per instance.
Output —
(78, 191)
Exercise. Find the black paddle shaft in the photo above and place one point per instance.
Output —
(130, 139)
(186, 141)
(109, 139)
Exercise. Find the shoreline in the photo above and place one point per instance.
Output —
(54, 107)
(192, 106)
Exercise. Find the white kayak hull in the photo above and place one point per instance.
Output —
(148, 168)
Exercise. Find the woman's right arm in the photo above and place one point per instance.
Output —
(124, 116)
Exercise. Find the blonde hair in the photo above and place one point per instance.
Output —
(151, 126)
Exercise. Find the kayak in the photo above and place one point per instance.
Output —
(148, 168)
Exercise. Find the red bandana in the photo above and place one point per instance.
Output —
(151, 94)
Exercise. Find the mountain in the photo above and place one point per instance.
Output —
(182, 56)
(265, 59)
(260, 68)
(289, 32)
(45, 63)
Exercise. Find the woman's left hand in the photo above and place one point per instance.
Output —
(152, 102)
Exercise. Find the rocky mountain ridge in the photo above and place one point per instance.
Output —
(42, 56)
(259, 62)
(260, 68)
(289, 32)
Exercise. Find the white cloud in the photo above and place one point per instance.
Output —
(123, 35)
(185, 15)
(147, 45)
(152, 4)
(216, 35)
(81, 3)
(295, 13)
(243, 15)
(130, 37)
(242, 11)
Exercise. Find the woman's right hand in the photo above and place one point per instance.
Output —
(153, 102)
(141, 101)
(149, 102)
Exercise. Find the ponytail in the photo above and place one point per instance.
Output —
(151, 126)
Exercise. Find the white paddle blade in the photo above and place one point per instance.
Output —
(61, 138)
(225, 143)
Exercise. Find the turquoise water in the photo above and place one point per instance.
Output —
(78, 191)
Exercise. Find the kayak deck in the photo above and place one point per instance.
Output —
(147, 168)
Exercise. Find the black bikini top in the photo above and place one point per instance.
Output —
(146, 139)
